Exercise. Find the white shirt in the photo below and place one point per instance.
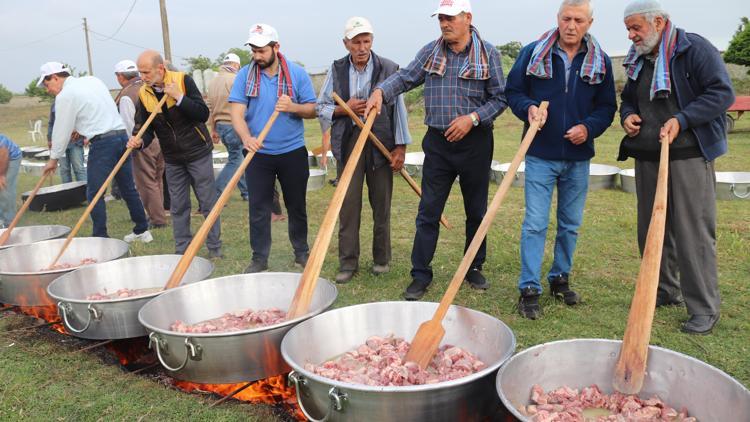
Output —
(84, 105)
(127, 112)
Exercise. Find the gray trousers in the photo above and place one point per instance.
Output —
(690, 234)
(380, 190)
(200, 175)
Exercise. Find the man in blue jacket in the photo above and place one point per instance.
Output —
(567, 67)
(677, 88)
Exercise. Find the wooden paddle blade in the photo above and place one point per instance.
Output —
(426, 343)
(630, 371)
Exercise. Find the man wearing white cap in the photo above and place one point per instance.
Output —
(271, 82)
(677, 89)
(84, 105)
(464, 93)
(353, 77)
(148, 163)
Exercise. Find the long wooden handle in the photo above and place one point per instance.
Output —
(379, 145)
(202, 234)
(631, 364)
(106, 183)
(306, 287)
(6, 234)
(484, 226)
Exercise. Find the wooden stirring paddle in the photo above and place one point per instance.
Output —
(306, 286)
(430, 333)
(202, 234)
(6, 234)
(107, 181)
(379, 145)
(631, 364)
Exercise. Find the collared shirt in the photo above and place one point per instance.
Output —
(449, 96)
(51, 124)
(127, 112)
(217, 95)
(564, 56)
(359, 87)
(83, 105)
(14, 153)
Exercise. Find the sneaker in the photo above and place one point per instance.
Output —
(476, 280)
(560, 289)
(345, 276)
(378, 269)
(144, 237)
(416, 290)
(215, 254)
(528, 303)
(256, 267)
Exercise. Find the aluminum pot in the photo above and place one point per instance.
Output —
(317, 179)
(22, 282)
(499, 170)
(627, 180)
(602, 176)
(314, 160)
(679, 380)
(413, 162)
(732, 185)
(220, 157)
(218, 167)
(495, 176)
(29, 234)
(34, 168)
(116, 318)
(58, 197)
(223, 358)
(335, 332)
(29, 152)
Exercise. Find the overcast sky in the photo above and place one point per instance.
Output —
(37, 31)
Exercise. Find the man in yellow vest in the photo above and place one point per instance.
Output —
(185, 143)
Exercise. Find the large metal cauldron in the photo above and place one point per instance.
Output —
(29, 234)
(680, 380)
(222, 358)
(22, 282)
(602, 176)
(116, 318)
(330, 334)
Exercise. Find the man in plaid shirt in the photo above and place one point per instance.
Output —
(464, 93)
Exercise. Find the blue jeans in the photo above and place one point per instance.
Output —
(233, 143)
(8, 195)
(572, 181)
(104, 153)
(71, 164)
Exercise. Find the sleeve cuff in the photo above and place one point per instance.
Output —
(682, 120)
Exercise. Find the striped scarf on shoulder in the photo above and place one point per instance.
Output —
(593, 69)
(476, 66)
(252, 87)
(661, 83)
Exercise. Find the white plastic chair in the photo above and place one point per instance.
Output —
(36, 129)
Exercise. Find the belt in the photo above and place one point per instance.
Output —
(110, 134)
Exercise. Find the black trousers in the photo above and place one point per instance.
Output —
(292, 171)
(469, 159)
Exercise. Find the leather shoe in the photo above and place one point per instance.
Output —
(344, 276)
(700, 324)
(476, 280)
(378, 269)
(215, 254)
(416, 290)
(663, 300)
(256, 267)
(301, 260)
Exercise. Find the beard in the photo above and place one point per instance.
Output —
(649, 42)
(270, 62)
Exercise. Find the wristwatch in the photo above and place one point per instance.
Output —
(474, 119)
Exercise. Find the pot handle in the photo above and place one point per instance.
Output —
(192, 351)
(65, 307)
(336, 397)
(733, 189)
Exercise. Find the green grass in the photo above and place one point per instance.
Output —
(41, 381)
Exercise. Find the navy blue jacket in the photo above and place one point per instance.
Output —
(703, 90)
(571, 102)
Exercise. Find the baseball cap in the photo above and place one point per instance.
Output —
(231, 57)
(125, 66)
(261, 35)
(453, 7)
(50, 68)
(357, 25)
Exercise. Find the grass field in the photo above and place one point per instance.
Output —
(41, 381)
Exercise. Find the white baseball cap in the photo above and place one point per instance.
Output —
(453, 7)
(50, 68)
(357, 25)
(125, 66)
(231, 57)
(261, 35)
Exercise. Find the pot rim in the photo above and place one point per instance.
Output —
(152, 328)
(63, 278)
(511, 408)
(60, 270)
(409, 388)
(10, 245)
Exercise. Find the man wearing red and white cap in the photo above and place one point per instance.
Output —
(148, 163)
(273, 83)
(353, 77)
(464, 93)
